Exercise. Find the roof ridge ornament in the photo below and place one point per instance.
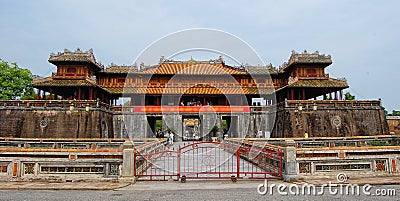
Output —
(220, 58)
(162, 59)
(191, 60)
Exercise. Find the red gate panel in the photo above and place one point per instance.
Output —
(208, 160)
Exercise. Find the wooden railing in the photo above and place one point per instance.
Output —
(294, 104)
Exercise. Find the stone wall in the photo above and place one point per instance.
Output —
(394, 124)
(330, 118)
(55, 123)
(334, 122)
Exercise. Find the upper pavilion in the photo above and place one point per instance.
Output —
(79, 76)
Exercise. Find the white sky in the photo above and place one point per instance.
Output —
(362, 36)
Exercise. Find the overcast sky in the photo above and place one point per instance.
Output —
(361, 36)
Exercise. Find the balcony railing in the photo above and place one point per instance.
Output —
(293, 104)
(181, 109)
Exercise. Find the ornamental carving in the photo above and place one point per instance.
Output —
(380, 165)
(305, 167)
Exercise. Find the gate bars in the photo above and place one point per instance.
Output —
(208, 160)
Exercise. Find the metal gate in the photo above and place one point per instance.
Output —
(208, 160)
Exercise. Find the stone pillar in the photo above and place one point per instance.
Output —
(136, 125)
(290, 171)
(174, 121)
(207, 122)
(128, 160)
(218, 122)
(235, 127)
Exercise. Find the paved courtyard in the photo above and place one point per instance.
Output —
(196, 190)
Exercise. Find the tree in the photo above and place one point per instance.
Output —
(15, 82)
(348, 96)
(394, 113)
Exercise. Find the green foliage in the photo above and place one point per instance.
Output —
(127, 103)
(381, 143)
(215, 129)
(171, 130)
(29, 94)
(159, 125)
(348, 96)
(15, 82)
(223, 123)
(394, 113)
(377, 143)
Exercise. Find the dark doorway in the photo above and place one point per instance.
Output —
(155, 126)
(226, 124)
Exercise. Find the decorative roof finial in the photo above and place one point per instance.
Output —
(191, 60)
(162, 59)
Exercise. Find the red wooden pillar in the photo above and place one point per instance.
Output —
(90, 93)
(79, 93)
(158, 101)
(204, 101)
(304, 94)
(292, 95)
(38, 95)
(341, 95)
(51, 94)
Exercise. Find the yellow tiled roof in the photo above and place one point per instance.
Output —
(320, 83)
(190, 90)
(64, 83)
(192, 69)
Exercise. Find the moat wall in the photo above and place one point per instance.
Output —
(327, 119)
(331, 122)
(394, 124)
(55, 123)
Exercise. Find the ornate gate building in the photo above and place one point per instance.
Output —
(194, 100)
